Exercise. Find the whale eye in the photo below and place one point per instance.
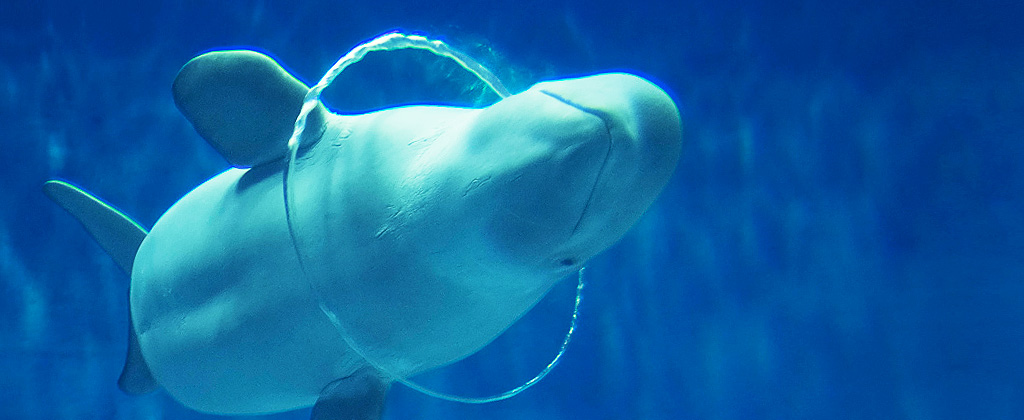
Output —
(567, 262)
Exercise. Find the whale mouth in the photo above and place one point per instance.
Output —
(604, 161)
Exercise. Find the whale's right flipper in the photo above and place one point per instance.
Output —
(244, 104)
(120, 236)
(359, 396)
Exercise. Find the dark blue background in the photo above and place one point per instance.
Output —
(843, 237)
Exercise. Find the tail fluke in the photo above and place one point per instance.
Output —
(120, 237)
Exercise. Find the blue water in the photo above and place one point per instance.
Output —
(843, 236)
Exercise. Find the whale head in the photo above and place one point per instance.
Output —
(572, 165)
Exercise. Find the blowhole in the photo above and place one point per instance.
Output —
(567, 262)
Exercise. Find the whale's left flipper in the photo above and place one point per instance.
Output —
(359, 396)
(120, 236)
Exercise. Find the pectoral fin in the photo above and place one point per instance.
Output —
(244, 104)
(359, 396)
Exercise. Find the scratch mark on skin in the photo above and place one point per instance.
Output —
(391, 221)
(476, 183)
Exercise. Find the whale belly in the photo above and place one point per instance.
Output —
(225, 320)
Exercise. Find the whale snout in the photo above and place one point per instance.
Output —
(645, 137)
(570, 165)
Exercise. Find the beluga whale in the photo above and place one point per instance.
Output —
(342, 253)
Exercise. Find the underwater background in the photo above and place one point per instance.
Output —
(843, 236)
